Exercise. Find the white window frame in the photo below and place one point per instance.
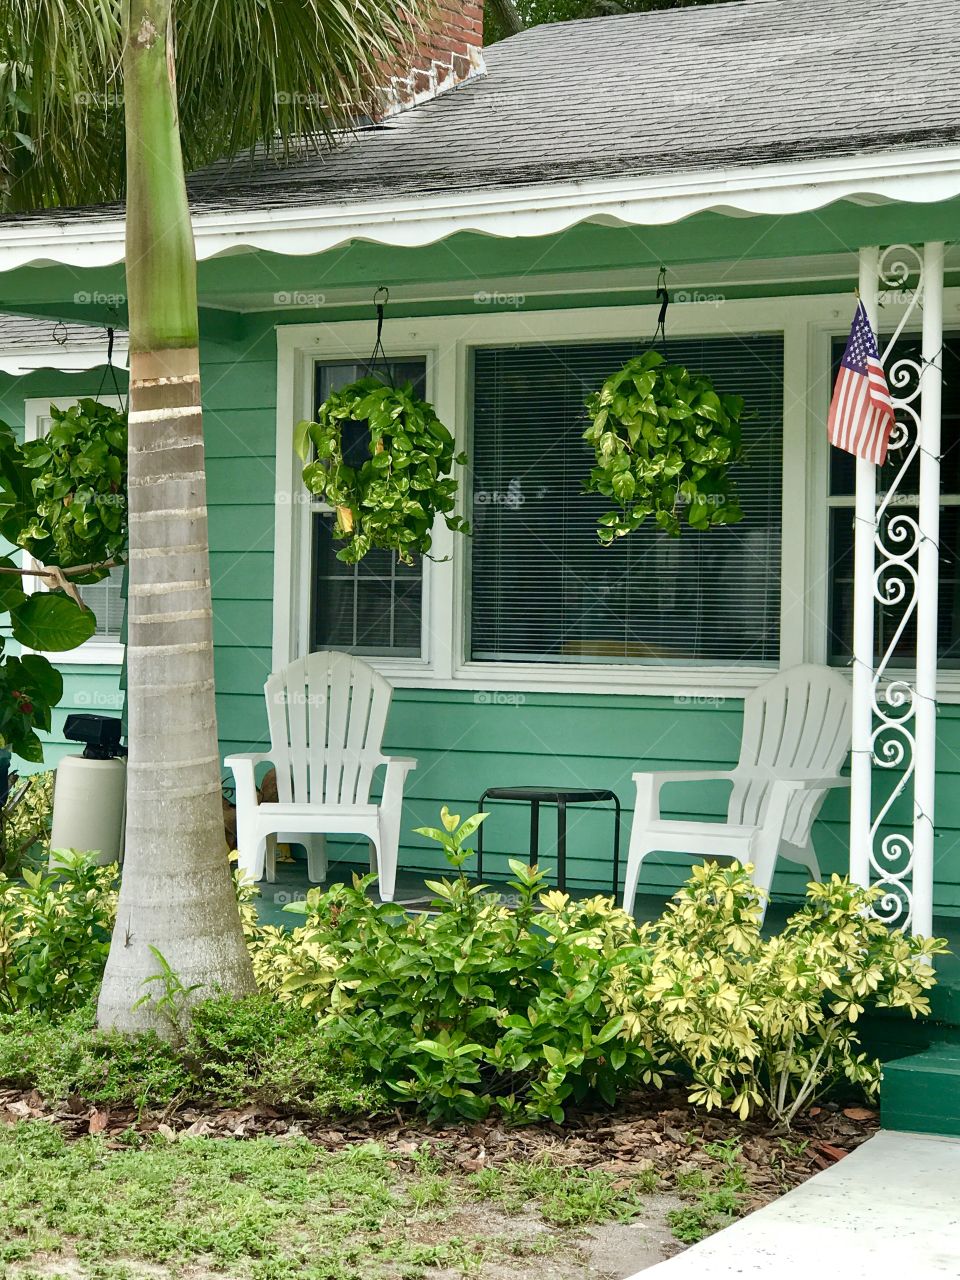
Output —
(97, 651)
(299, 349)
(822, 333)
(808, 323)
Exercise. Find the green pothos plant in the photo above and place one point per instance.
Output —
(63, 500)
(664, 441)
(381, 457)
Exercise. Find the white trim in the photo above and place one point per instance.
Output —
(914, 176)
(93, 652)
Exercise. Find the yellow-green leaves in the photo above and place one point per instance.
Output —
(770, 1023)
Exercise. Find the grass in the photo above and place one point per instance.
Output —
(715, 1203)
(273, 1208)
(270, 1209)
(566, 1197)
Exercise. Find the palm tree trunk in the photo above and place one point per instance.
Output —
(177, 893)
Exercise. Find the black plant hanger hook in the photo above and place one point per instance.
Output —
(663, 297)
(380, 300)
(112, 370)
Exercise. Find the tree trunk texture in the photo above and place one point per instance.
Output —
(177, 893)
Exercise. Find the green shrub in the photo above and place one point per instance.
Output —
(25, 822)
(771, 1023)
(236, 1052)
(70, 1057)
(480, 1002)
(55, 933)
(254, 1050)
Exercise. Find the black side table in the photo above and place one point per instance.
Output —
(535, 797)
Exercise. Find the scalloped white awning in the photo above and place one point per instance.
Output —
(920, 176)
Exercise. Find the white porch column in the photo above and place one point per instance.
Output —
(928, 587)
(861, 760)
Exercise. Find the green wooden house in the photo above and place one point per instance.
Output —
(518, 203)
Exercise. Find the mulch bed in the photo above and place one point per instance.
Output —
(659, 1131)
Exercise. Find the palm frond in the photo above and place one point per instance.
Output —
(274, 74)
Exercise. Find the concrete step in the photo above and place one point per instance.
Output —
(921, 1093)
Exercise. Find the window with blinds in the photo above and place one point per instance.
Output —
(105, 599)
(890, 624)
(544, 590)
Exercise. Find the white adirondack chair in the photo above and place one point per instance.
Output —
(326, 715)
(796, 735)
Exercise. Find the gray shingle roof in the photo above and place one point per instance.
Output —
(748, 82)
(687, 90)
(27, 344)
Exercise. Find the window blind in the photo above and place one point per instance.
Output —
(105, 599)
(543, 589)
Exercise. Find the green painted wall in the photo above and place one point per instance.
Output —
(463, 742)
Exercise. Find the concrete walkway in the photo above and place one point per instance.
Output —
(889, 1209)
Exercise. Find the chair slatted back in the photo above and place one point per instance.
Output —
(327, 714)
(798, 722)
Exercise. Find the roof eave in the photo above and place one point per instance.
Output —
(907, 175)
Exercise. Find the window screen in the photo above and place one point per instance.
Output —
(374, 607)
(544, 590)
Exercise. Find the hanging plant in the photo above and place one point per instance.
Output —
(664, 442)
(65, 493)
(398, 478)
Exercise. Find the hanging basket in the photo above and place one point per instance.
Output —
(664, 442)
(391, 498)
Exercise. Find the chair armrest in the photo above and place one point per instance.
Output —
(808, 782)
(396, 776)
(683, 775)
(649, 784)
(403, 763)
(242, 766)
(245, 757)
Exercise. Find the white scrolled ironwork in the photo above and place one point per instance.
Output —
(899, 861)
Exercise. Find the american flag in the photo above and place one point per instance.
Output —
(861, 415)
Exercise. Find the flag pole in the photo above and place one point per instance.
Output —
(865, 526)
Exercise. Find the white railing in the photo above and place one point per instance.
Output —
(896, 569)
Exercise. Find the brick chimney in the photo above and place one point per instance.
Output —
(447, 54)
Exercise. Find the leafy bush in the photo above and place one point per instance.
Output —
(25, 821)
(771, 1023)
(400, 480)
(481, 1002)
(55, 934)
(236, 1052)
(664, 441)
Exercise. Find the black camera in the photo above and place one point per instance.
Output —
(100, 735)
